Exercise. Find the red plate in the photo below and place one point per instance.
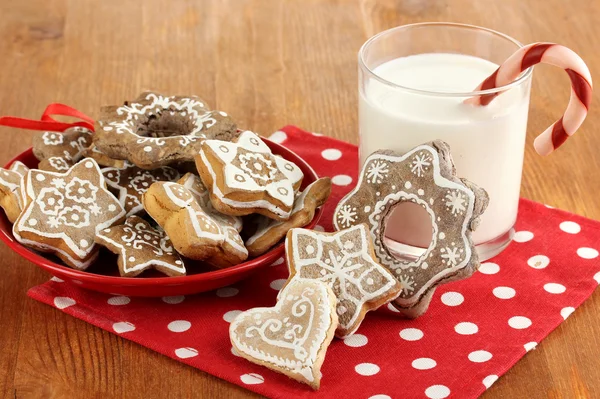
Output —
(103, 275)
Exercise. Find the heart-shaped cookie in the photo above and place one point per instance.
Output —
(292, 337)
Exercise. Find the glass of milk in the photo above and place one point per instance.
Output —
(413, 81)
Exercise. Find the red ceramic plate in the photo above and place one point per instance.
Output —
(103, 275)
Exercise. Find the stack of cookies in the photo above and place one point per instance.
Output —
(162, 180)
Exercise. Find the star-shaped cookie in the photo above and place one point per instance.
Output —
(10, 185)
(131, 182)
(64, 211)
(58, 151)
(245, 177)
(141, 247)
(346, 262)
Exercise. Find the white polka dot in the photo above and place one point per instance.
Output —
(278, 262)
(452, 298)
(309, 249)
(123, 327)
(489, 268)
(331, 154)
(570, 227)
(356, 340)
(530, 346)
(84, 243)
(480, 356)
(147, 148)
(538, 261)
(411, 334)
(112, 207)
(89, 164)
(62, 302)
(232, 314)
(252, 379)
(319, 228)
(420, 191)
(393, 308)
(587, 253)
(424, 363)
(597, 277)
(380, 396)
(278, 137)
(489, 380)
(227, 292)
(523, 236)
(466, 328)
(504, 292)
(118, 300)
(437, 392)
(32, 222)
(367, 209)
(341, 180)
(519, 322)
(173, 300)
(179, 326)
(186, 353)
(40, 177)
(278, 284)
(57, 280)
(554, 288)
(566, 312)
(367, 369)
(407, 185)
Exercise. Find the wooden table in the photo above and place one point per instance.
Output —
(268, 63)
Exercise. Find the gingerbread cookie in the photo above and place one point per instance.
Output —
(155, 130)
(424, 176)
(64, 212)
(245, 177)
(193, 232)
(346, 262)
(292, 337)
(269, 232)
(102, 159)
(130, 182)
(232, 250)
(141, 247)
(57, 152)
(10, 185)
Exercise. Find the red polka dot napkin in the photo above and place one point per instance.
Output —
(474, 331)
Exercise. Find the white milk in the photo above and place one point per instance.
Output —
(487, 143)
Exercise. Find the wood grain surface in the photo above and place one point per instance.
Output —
(268, 63)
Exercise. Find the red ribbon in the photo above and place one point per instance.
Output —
(47, 122)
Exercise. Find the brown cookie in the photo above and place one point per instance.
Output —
(10, 189)
(155, 130)
(64, 212)
(232, 250)
(102, 159)
(141, 247)
(293, 336)
(346, 262)
(245, 177)
(269, 232)
(424, 176)
(130, 183)
(57, 152)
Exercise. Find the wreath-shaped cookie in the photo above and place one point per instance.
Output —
(155, 130)
(425, 176)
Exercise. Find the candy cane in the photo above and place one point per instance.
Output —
(581, 88)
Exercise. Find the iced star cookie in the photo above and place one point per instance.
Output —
(10, 186)
(346, 262)
(193, 232)
(57, 152)
(232, 250)
(102, 159)
(245, 177)
(292, 337)
(141, 247)
(269, 232)
(64, 212)
(424, 176)
(130, 183)
(155, 130)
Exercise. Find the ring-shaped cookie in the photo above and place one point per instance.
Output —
(424, 176)
(156, 130)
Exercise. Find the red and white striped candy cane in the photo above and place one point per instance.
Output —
(581, 88)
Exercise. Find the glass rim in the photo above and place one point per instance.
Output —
(362, 64)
